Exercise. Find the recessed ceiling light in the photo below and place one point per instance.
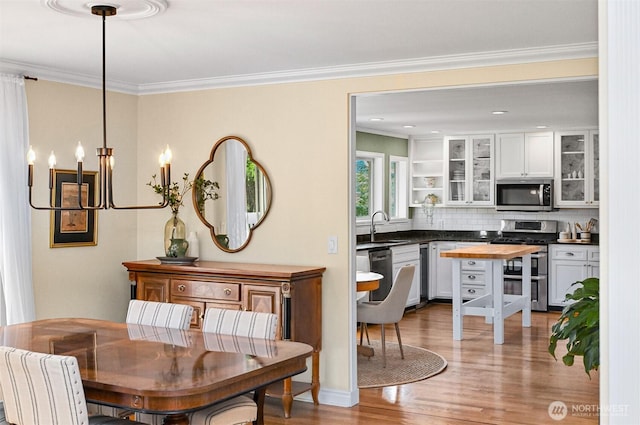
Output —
(376, 119)
(408, 126)
(542, 126)
(435, 131)
(499, 112)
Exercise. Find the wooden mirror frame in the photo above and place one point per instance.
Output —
(267, 183)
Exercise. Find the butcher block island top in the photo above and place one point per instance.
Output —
(491, 252)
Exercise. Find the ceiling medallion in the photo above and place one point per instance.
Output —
(127, 9)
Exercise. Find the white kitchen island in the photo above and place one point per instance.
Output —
(495, 306)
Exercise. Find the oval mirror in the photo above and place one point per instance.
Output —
(242, 194)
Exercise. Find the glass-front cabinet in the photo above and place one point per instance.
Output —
(469, 169)
(577, 169)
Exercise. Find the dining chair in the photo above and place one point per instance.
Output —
(250, 324)
(164, 315)
(149, 313)
(389, 310)
(43, 388)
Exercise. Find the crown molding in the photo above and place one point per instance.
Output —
(59, 76)
(436, 63)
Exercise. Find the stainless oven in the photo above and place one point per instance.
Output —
(539, 285)
(513, 267)
(532, 232)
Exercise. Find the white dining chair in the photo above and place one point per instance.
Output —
(389, 310)
(164, 315)
(145, 314)
(250, 324)
(43, 388)
(256, 326)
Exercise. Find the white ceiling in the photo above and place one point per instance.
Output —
(558, 105)
(195, 44)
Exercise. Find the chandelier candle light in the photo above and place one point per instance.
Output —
(105, 154)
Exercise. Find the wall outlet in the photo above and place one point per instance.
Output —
(332, 245)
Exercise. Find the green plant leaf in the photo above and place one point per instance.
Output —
(579, 325)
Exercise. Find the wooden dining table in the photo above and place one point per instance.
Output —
(159, 373)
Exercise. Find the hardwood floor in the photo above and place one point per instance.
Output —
(483, 383)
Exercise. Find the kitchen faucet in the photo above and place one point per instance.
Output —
(373, 226)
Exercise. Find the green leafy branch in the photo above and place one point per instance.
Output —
(175, 192)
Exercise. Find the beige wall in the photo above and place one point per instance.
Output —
(299, 132)
(82, 281)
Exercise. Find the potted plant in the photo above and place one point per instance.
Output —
(579, 324)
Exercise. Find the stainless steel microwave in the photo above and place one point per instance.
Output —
(524, 195)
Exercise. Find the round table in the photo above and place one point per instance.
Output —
(367, 281)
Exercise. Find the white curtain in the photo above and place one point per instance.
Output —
(16, 289)
(237, 227)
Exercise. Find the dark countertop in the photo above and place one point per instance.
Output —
(386, 240)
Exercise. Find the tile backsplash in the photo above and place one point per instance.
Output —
(489, 218)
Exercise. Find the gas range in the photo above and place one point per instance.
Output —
(521, 232)
(526, 240)
(527, 232)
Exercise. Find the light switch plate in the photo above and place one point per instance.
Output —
(332, 245)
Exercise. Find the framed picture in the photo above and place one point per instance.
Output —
(74, 228)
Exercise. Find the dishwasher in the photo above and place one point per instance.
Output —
(381, 262)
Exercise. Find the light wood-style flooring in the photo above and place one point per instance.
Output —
(483, 383)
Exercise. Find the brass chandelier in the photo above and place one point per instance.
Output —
(105, 155)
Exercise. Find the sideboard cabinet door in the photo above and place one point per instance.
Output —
(153, 288)
(264, 299)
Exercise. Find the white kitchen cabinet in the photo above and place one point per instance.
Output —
(570, 263)
(440, 272)
(405, 255)
(577, 169)
(524, 155)
(427, 170)
(469, 170)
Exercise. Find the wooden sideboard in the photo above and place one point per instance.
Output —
(294, 293)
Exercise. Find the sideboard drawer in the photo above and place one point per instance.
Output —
(203, 289)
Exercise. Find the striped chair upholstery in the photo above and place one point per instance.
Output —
(260, 347)
(165, 315)
(250, 324)
(238, 410)
(45, 389)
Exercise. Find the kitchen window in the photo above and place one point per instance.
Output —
(398, 187)
(369, 183)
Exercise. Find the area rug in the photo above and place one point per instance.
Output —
(418, 364)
